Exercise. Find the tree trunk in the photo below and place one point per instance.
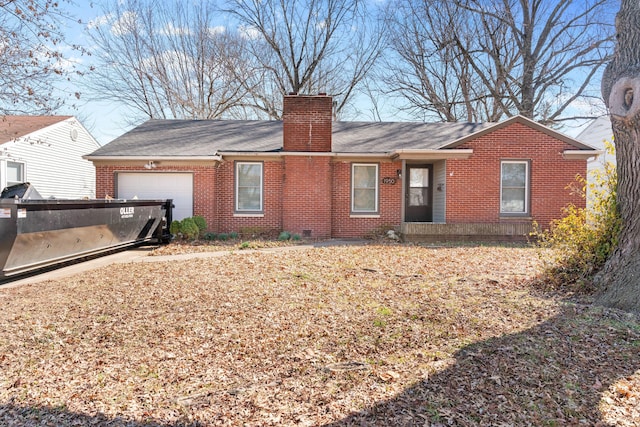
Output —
(619, 281)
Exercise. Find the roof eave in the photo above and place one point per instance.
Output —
(212, 157)
(581, 154)
(431, 154)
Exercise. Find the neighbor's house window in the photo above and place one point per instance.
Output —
(249, 177)
(514, 187)
(15, 173)
(364, 188)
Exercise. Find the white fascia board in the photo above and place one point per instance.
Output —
(409, 154)
(214, 157)
(581, 154)
(300, 154)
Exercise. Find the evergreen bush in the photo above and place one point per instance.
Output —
(201, 223)
(285, 235)
(174, 228)
(189, 229)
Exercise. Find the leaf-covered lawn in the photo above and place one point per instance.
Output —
(349, 335)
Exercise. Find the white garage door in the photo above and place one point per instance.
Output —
(159, 185)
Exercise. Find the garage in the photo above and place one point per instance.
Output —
(159, 185)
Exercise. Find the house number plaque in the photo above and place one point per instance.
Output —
(389, 180)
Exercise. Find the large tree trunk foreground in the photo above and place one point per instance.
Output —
(619, 281)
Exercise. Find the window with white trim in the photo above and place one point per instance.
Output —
(249, 180)
(15, 173)
(514, 187)
(364, 188)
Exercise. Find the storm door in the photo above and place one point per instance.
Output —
(419, 193)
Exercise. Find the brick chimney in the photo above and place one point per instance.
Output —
(306, 203)
(307, 122)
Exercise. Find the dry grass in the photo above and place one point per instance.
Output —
(354, 335)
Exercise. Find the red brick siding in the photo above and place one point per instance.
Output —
(313, 193)
(389, 202)
(229, 220)
(307, 123)
(204, 185)
(473, 185)
(307, 195)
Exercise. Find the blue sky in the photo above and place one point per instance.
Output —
(108, 120)
(105, 120)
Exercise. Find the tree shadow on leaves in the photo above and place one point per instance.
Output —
(27, 416)
(555, 374)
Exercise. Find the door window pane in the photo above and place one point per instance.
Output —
(418, 186)
(248, 186)
(418, 196)
(364, 191)
(419, 177)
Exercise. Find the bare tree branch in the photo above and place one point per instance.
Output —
(529, 57)
(306, 47)
(168, 60)
(32, 63)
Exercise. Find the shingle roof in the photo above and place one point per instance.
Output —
(12, 127)
(367, 137)
(195, 138)
(207, 137)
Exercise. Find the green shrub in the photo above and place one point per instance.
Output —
(209, 236)
(233, 235)
(295, 237)
(201, 223)
(583, 239)
(223, 236)
(175, 228)
(189, 228)
(285, 235)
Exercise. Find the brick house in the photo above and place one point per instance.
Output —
(310, 175)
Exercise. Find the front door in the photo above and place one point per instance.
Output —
(419, 194)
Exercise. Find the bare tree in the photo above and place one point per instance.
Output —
(167, 60)
(32, 62)
(307, 46)
(425, 65)
(480, 60)
(618, 280)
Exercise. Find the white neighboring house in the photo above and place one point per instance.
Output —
(595, 135)
(47, 152)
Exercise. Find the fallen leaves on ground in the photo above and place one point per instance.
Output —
(180, 247)
(346, 335)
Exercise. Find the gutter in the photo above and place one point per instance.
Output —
(298, 154)
(214, 157)
(432, 154)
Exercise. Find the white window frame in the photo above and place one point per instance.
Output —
(527, 189)
(23, 169)
(238, 209)
(376, 189)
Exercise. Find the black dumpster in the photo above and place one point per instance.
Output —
(36, 233)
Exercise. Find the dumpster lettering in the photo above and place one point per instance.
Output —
(127, 212)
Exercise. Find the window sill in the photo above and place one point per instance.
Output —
(364, 216)
(516, 217)
(248, 215)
